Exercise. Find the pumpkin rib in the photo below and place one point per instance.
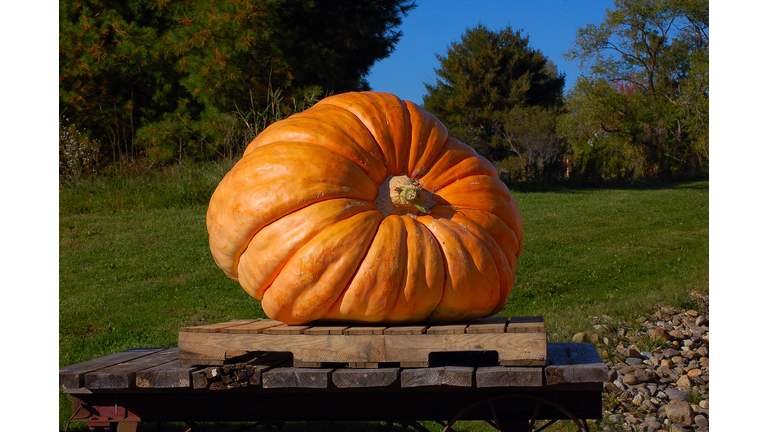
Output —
(483, 193)
(504, 263)
(312, 127)
(271, 247)
(262, 188)
(373, 288)
(386, 118)
(471, 287)
(455, 162)
(507, 239)
(422, 289)
(428, 137)
(313, 279)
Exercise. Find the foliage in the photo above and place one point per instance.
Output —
(78, 154)
(167, 78)
(530, 133)
(484, 76)
(643, 106)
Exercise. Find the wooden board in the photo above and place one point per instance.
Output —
(502, 376)
(123, 375)
(290, 377)
(167, 375)
(73, 377)
(455, 376)
(526, 324)
(574, 363)
(217, 327)
(360, 378)
(518, 342)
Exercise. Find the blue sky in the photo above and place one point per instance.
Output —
(431, 27)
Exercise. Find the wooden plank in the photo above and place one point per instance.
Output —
(123, 375)
(526, 324)
(514, 349)
(504, 376)
(286, 330)
(488, 325)
(362, 331)
(253, 327)
(363, 365)
(447, 329)
(405, 330)
(326, 330)
(455, 376)
(217, 327)
(289, 377)
(357, 378)
(72, 377)
(167, 375)
(574, 363)
(233, 355)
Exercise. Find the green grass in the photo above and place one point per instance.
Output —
(610, 251)
(135, 265)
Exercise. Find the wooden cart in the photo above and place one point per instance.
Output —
(502, 372)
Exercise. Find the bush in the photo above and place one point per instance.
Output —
(78, 154)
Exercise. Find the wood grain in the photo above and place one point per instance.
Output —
(526, 324)
(257, 326)
(488, 325)
(455, 376)
(290, 377)
(214, 328)
(123, 375)
(358, 378)
(503, 376)
(73, 376)
(406, 330)
(514, 349)
(167, 375)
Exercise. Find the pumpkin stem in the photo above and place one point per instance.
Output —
(411, 195)
(403, 195)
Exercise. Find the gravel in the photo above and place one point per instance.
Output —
(659, 369)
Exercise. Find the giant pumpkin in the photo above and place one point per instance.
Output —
(363, 209)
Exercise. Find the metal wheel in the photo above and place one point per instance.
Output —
(525, 425)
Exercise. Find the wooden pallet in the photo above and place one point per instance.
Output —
(518, 341)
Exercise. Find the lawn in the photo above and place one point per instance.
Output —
(135, 266)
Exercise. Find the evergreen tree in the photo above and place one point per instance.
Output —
(484, 76)
(183, 77)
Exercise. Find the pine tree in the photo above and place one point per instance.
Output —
(485, 75)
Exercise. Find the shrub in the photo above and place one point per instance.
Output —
(78, 154)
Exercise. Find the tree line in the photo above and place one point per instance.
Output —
(192, 79)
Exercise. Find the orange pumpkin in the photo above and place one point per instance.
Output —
(362, 209)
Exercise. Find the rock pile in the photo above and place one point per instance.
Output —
(659, 370)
